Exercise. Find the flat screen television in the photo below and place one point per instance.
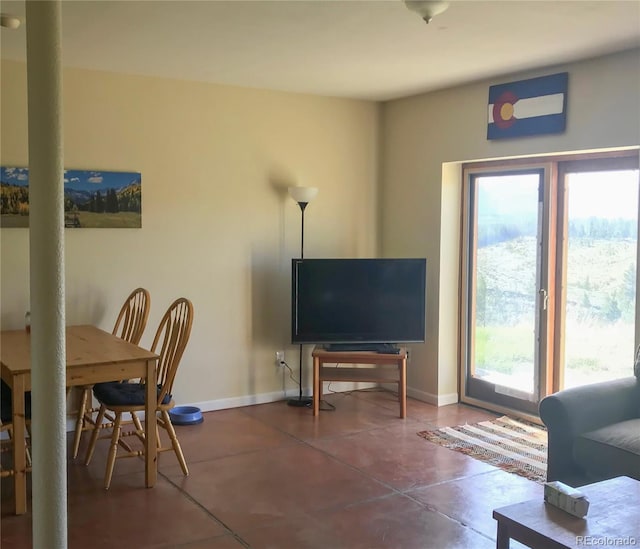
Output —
(358, 303)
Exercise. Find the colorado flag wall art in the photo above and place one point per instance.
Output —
(528, 107)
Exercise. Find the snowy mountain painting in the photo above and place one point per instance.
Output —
(92, 199)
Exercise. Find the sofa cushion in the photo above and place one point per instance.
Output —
(610, 451)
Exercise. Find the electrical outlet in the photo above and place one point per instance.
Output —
(279, 358)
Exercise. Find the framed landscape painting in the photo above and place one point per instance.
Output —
(92, 199)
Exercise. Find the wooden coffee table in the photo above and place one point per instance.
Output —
(613, 519)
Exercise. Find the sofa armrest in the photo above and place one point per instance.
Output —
(582, 409)
(571, 412)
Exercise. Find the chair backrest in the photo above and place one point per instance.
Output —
(170, 342)
(133, 316)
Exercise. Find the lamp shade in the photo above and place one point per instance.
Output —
(303, 194)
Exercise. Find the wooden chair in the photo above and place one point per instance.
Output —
(6, 426)
(169, 343)
(129, 326)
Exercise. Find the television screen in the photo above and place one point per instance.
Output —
(358, 300)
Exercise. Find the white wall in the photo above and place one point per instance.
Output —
(218, 225)
(424, 140)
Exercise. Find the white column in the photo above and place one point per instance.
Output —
(46, 249)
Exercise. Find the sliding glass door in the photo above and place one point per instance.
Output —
(504, 284)
(598, 286)
(548, 278)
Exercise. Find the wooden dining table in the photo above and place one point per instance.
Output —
(92, 356)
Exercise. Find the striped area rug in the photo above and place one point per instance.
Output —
(511, 445)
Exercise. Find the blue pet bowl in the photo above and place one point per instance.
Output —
(186, 415)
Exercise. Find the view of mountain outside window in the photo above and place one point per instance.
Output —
(506, 270)
(600, 276)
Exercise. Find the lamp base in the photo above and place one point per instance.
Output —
(300, 402)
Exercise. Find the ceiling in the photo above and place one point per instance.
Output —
(363, 49)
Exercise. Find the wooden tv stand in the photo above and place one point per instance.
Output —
(385, 368)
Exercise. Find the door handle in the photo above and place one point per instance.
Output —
(545, 298)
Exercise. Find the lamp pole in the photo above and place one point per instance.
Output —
(302, 205)
(302, 195)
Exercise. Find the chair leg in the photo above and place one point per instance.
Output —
(137, 423)
(113, 450)
(26, 444)
(174, 441)
(94, 435)
(80, 421)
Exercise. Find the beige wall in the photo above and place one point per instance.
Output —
(219, 228)
(424, 138)
(218, 225)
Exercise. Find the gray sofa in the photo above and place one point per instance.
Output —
(594, 432)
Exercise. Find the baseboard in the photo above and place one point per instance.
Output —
(246, 400)
(446, 399)
(265, 398)
(429, 398)
(70, 426)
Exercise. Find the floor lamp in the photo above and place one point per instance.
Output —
(302, 195)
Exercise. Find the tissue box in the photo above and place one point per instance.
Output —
(565, 497)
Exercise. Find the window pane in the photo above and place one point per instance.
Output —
(505, 280)
(600, 276)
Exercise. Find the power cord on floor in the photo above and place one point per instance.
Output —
(283, 363)
(349, 393)
(324, 405)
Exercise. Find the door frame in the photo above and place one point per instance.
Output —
(553, 218)
(544, 280)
